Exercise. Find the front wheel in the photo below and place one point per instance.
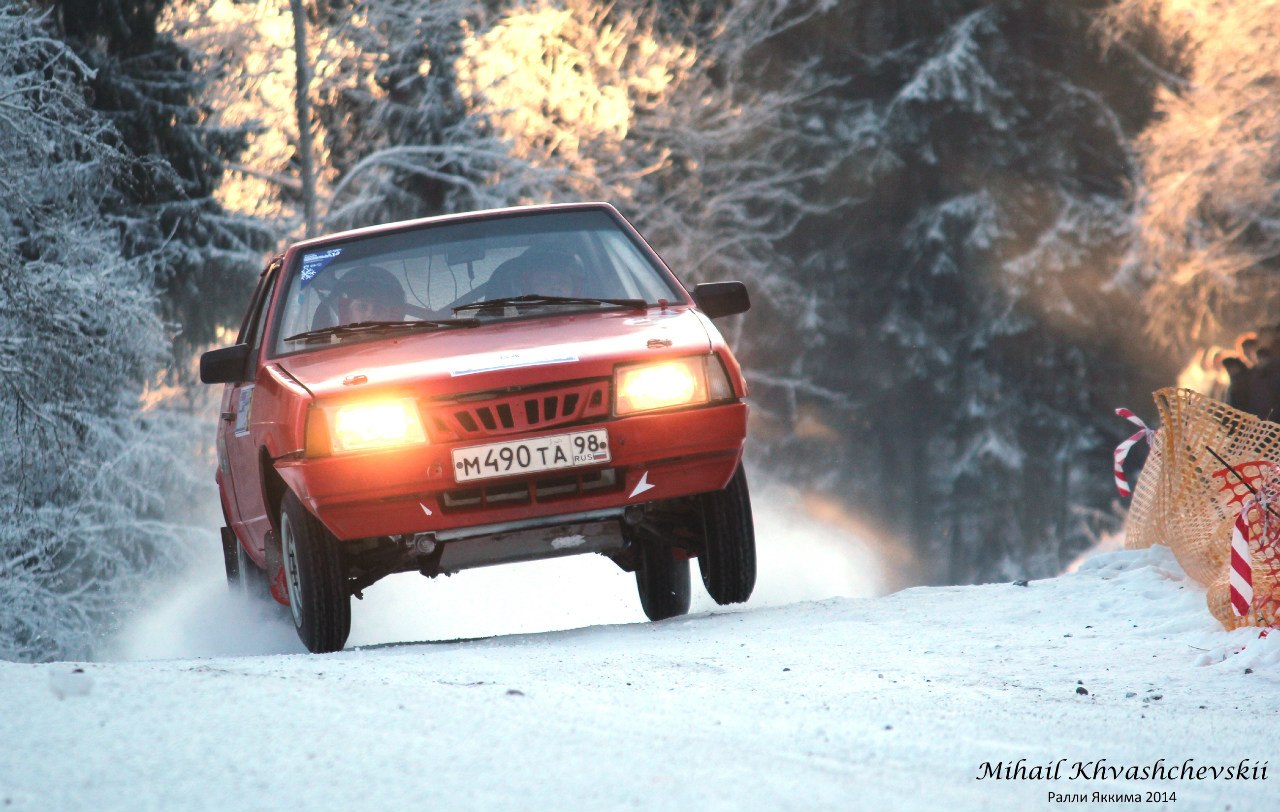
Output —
(728, 558)
(316, 579)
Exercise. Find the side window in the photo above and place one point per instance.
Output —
(255, 320)
(260, 317)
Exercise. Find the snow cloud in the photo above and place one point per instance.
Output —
(808, 549)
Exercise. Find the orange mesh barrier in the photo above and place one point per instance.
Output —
(1188, 501)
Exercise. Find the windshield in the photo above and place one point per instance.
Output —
(531, 264)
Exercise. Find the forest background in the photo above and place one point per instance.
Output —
(970, 230)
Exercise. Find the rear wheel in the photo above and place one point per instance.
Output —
(315, 577)
(662, 580)
(728, 559)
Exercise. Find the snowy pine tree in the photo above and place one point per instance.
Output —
(164, 211)
(972, 301)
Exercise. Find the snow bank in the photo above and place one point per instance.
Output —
(895, 702)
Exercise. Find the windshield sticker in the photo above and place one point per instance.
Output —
(511, 360)
(313, 264)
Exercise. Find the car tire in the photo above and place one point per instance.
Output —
(728, 557)
(662, 580)
(315, 579)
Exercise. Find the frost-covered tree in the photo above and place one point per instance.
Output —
(725, 163)
(428, 107)
(681, 120)
(1209, 240)
(81, 514)
(418, 139)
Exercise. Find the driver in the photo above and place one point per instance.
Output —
(540, 270)
(551, 282)
(370, 294)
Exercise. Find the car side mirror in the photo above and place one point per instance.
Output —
(225, 365)
(718, 299)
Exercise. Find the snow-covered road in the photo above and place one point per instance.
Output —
(885, 703)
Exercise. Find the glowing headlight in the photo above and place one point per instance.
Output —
(644, 388)
(367, 426)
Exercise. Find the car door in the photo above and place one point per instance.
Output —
(242, 466)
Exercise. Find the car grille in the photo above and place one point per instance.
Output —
(513, 414)
(538, 489)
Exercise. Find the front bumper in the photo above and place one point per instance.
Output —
(406, 491)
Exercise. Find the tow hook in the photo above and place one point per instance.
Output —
(423, 543)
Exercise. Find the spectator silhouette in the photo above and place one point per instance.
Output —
(1247, 348)
(1255, 374)
(1240, 389)
(1265, 385)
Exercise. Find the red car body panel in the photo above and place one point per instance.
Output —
(395, 491)
(657, 455)
(595, 340)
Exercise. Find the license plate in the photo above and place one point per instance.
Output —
(517, 457)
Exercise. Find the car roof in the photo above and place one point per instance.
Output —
(483, 214)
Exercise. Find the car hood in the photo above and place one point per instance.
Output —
(501, 354)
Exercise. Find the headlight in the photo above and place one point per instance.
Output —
(347, 427)
(680, 382)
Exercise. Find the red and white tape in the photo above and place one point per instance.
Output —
(1240, 576)
(1122, 450)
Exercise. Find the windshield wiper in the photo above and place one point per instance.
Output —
(382, 326)
(536, 299)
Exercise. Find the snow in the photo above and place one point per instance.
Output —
(890, 702)
(567, 542)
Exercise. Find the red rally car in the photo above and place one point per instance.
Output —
(478, 389)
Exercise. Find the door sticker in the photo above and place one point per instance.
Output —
(242, 410)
